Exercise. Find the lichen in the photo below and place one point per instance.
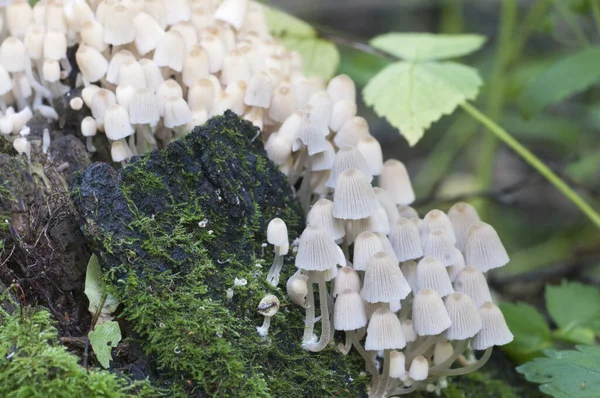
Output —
(34, 364)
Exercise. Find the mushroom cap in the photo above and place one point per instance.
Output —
(277, 233)
(462, 215)
(365, 246)
(384, 331)
(429, 313)
(471, 282)
(483, 247)
(463, 314)
(406, 240)
(384, 281)
(432, 274)
(268, 306)
(316, 251)
(347, 279)
(349, 311)
(419, 368)
(395, 179)
(353, 197)
(494, 330)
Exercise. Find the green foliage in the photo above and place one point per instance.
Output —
(564, 78)
(94, 289)
(566, 374)
(532, 334)
(319, 57)
(412, 94)
(422, 47)
(34, 364)
(104, 338)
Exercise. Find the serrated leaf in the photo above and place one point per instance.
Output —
(412, 96)
(532, 334)
(566, 374)
(319, 57)
(566, 77)
(282, 24)
(574, 305)
(426, 46)
(94, 289)
(104, 338)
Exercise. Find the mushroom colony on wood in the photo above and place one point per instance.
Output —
(409, 293)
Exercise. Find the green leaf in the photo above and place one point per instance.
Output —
(104, 338)
(532, 334)
(412, 96)
(94, 289)
(573, 305)
(566, 374)
(319, 57)
(566, 77)
(575, 335)
(427, 46)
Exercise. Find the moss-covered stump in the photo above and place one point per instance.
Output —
(181, 233)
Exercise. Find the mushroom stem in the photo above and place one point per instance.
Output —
(309, 319)
(385, 376)
(422, 348)
(325, 321)
(470, 368)
(264, 329)
(273, 275)
(304, 192)
(368, 360)
(438, 370)
(347, 346)
(405, 390)
(89, 144)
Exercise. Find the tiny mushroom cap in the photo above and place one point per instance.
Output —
(279, 149)
(455, 268)
(170, 51)
(297, 288)
(494, 330)
(176, 112)
(442, 351)
(471, 282)
(143, 107)
(101, 101)
(462, 215)
(324, 160)
(148, 33)
(397, 364)
(437, 219)
(116, 123)
(91, 62)
(463, 314)
(215, 48)
(384, 281)
(316, 250)
(88, 94)
(387, 246)
(379, 223)
(232, 12)
(201, 94)
(342, 112)
(76, 103)
(55, 45)
(342, 88)
(386, 201)
(311, 132)
(13, 54)
(419, 368)
(406, 211)
(235, 67)
(432, 274)
(119, 151)
(438, 244)
(347, 279)
(322, 105)
(409, 270)
(132, 73)
(353, 196)
(348, 157)
(268, 306)
(321, 213)
(51, 70)
(152, 73)
(371, 151)
(409, 330)
(349, 311)
(406, 240)
(260, 89)
(395, 179)
(351, 132)
(277, 233)
(88, 126)
(429, 313)
(92, 34)
(114, 67)
(365, 246)
(283, 103)
(483, 247)
(118, 26)
(384, 331)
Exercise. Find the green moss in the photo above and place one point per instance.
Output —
(34, 364)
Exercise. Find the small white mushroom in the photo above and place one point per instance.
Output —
(267, 307)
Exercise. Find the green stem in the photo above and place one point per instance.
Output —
(452, 19)
(533, 160)
(596, 13)
(562, 8)
(527, 26)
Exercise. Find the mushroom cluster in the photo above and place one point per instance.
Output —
(150, 70)
(410, 293)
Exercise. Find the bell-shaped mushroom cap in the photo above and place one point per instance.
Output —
(143, 107)
(353, 197)
(471, 282)
(13, 54)
(346, 158)
(395, 179)
(429, 313)
(365, 247)
(176, 112)
(341, 113)
(89, 127)
(437, 220)
(101, 101)
(321, 213)
(462, 215)
(216, 50)
(232, 12)
(409, 331)
(324, 160)
(442, 351)
(311, 132)
(386, 201)
(152, 74)
(406, 211)
(342, 88)
(347, 279)
(384, 331)
(349, 311)
(379, 223)
(119, 151)
(116, 123)
(387, 246)
(277, 233)
(279, 149)
(463, 314)
(322, 106)
(419, 368)
(355, 129)
(432, 274)
(260, 89)
(384, 281)
(268, 306)
(406, 240)
(297, 288)
(118, 27)
(455, 268)
(283, 103)
(409, 270)
(483, 247)
(494, 330)
(170, 51)
(91, 62)
(124, 94)
(316, 251)
(438, 244)
(235, 68)
(397, 364)
(371, 151)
